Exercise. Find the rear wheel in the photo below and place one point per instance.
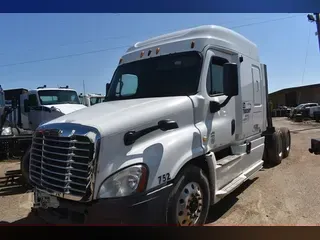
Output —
(189, 200)
(275, 154)
(286, 142)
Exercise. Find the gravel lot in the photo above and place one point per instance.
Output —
(288, 194)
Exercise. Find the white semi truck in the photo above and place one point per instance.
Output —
(24, 110)
(41, 105)
(91, 99)
(185, 122)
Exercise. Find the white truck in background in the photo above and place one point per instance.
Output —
(25, 110)
(186, 121)
(91, 99)
(40, 105)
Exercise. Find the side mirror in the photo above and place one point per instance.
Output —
(107, 88)
(26, 105)
(230, 79)
(230, 86)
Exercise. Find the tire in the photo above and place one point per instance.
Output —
(286, 142)
(275, 148)
(265, 154)
(188, 180)
(24, 166)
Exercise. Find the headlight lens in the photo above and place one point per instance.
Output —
(130, 180)
(6, 131)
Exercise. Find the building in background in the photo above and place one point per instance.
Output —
(291, 97)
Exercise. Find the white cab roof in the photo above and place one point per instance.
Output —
(94, 95)
(61, 89)
(179, 41)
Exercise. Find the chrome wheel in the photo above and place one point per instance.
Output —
(189, 206)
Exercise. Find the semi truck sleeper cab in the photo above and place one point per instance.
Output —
(185, 122)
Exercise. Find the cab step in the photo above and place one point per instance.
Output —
(228, 159)
(239, 180)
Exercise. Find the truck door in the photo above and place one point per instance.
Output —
(257, 113)
(24, 111)
(34, 111)
(221, 124)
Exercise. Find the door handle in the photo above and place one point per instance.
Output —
(233, 127)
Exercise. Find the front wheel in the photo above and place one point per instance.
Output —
(189, 200)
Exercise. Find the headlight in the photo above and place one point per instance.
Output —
(130, 180)
(6, 131)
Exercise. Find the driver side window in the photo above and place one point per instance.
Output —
(127, 85)
(215, 76)
(33, 101)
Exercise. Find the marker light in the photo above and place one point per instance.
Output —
(141, 54)
(192, 44)
(158, 50)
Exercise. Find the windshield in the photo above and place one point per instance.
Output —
(50, 97)
(95, 100)
(169, 75)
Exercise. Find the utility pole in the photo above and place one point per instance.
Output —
(84, 88)
(315, 17)
(318, 27)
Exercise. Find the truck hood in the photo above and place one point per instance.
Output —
(117, 116)
(66, 108)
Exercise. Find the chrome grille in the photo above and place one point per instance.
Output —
(63, 165)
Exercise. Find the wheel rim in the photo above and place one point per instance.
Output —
(190, 204)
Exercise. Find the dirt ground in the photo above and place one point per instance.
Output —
(288, 194)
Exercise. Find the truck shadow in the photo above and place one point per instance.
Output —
(12, 186)
(225, 205)
(30, 219)
(267, 166)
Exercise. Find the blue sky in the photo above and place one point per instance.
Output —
(27, 40)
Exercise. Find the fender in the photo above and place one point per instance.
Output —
(165, 153)
(212, 164)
